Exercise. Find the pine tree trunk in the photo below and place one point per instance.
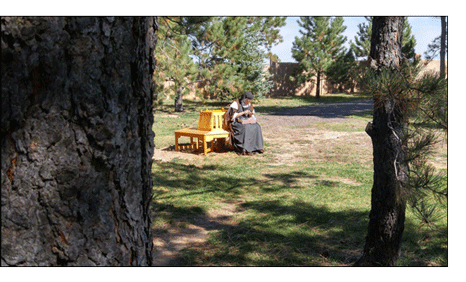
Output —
(387, 215)
(179, 100)
(77, 140)
(442, 46)
(318, 85)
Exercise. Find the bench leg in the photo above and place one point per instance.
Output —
(205, 145)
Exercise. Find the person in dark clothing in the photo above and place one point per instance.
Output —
(245, 132)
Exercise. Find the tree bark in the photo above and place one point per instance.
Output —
(443, 46)
(318, 85)
(77, 140)
(179, 100)
(387, 215)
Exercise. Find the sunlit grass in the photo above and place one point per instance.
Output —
(310, 213)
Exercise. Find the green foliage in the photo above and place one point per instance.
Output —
(341, 71)
(320, 45)
(174, 63)
(251, 65)
(226, 54)
(408, 42)
(231, 53)
(423, 99)
(362, 41)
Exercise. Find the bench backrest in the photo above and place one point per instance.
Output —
(211, 120)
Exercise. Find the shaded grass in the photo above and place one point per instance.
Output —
(313, 213)
(283, 221)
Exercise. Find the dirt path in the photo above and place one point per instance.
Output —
(296, 134)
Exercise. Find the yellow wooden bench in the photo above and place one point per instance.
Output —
(209, 134)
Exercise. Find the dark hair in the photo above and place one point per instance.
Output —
(247, 95)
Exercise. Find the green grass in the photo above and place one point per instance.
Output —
(312, 213)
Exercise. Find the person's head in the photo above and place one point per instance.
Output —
(247, 97)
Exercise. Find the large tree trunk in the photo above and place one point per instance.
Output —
(387, 215)
(77, 140)
(443, 36)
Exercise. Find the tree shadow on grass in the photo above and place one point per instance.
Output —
(193, 180)
(424, 245)
(300, 235)
(272, 229)
(268, 232)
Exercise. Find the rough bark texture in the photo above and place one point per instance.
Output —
(179, 100)
(387, 215)
(77, 140)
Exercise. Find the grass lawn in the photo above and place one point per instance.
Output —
(256, 211)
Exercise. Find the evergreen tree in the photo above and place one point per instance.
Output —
(387, 131)
(320, 45)
(362, 41)
(406, 109)
(251, 65)
(340, 72)
(224, 47)
(174, 63)
(269, 28)
(229, 54)
(409, 42)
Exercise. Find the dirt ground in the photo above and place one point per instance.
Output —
(294, 124)
(296, 134)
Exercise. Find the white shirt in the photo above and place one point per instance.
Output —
(235, 106)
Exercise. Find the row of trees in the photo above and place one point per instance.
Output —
(224, 54)
(320, 50)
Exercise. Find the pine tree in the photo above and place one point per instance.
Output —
(362, 41)
(387, 131)
(174, 63)
(340, 72)
(224, 47)
(251, 65)
(229, 54)
(321, 44)
(406, 109)
(409, 42)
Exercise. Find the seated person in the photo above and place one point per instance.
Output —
(245, 132)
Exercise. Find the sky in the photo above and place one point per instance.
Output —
(424, 29)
